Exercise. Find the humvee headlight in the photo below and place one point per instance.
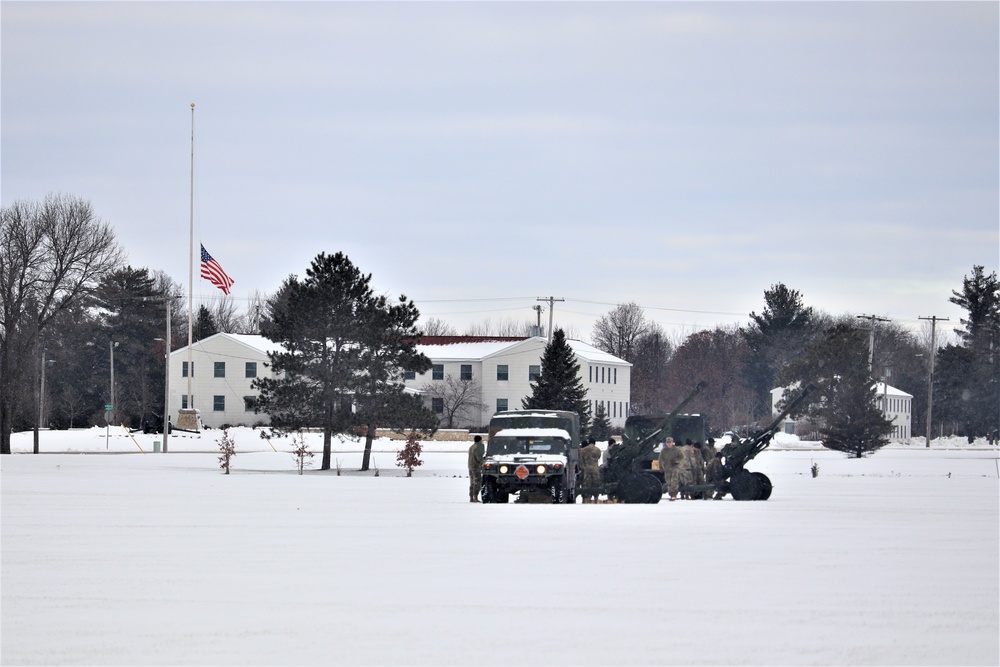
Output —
(556, 466)
(540, 470)
(504, 470)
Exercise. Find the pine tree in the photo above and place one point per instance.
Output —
(845, 402)
(777, 335)
(316, 322)
(601, 428)
(559, 386)
(967, 378)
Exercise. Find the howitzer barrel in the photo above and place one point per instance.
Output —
(739, 453)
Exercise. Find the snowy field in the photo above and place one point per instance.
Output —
(152, 558)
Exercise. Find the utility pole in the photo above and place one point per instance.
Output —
(871, 337)
(551, 300)
(934, 319)
(538, 319)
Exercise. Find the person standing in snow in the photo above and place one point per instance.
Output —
(476, 454)
(590, 460)
(671, 460)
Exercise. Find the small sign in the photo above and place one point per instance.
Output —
(521, 472)
(109, 406)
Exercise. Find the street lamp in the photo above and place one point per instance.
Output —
(166, 387)
(41, 400)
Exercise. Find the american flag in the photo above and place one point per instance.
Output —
(213, 273)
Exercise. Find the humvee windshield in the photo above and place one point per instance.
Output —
(525, 445)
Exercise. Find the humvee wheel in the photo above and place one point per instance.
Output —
(745, 486)
(489, 490)
(765, 485)
(651, 485)
(558, 492)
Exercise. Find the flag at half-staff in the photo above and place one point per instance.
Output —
(212, 271)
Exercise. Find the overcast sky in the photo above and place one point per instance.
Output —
(476, 156)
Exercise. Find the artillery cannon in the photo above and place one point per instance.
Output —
(627, 476)
(735, 479)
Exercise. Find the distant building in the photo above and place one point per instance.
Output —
(225, 365)
(895, 405)
(505, 367)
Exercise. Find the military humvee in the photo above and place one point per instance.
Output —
(534, 452)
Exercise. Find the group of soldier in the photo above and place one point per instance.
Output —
(689, 463)
(682, 464)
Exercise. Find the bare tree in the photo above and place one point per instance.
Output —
(52, 255)
(617, 332)
(226, 316)
(460, 399)
(436, 327)
(256, 306)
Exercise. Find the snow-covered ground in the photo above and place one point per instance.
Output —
(161, 559)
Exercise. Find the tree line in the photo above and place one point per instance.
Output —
(789, 344)
(70, 302)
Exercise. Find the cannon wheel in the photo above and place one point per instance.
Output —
(652, 487)
(765, 485)
(632, 489)
(745, 486)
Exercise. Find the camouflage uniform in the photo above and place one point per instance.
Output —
(671, 461)
(715, 473)
(476, 454)
(590, 459)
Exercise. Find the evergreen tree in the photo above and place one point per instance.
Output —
(845, 402)
(388, 338)
(132, 310)
(204, 324)
(775, 337)
(559, 386)
(343, 352)
(315, 321)
(967, 378)
(601, 428)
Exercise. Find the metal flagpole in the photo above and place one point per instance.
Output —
(190, 365)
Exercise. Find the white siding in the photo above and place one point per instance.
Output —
(234, 352)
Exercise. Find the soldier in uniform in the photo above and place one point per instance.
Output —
(590, 460)
(671, 461)
(476, 454)
(716, 474)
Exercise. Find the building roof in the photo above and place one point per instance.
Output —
(478, 348)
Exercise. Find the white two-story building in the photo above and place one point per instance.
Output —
(224, 366)
(504, 368)
(896, 405)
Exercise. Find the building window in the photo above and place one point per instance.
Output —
(184, 402)
(409, 375)
(219, 403)
(251, 369)
(602, 374)
(437, 372)
(466, 372)
(437, 405)
(219, 369)
(534, 372)
(501, 405)
(501, 373)
(249, 403)
(616, 376)
(184, 369)
(590, 373)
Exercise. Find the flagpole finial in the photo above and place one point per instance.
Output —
(192, 105)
